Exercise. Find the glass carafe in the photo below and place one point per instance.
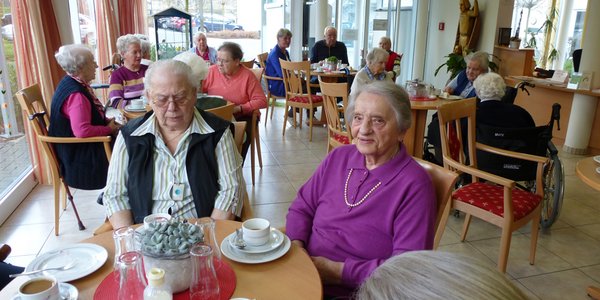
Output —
(132, 281)
(204, 284)
(124, 238)
(207, 226)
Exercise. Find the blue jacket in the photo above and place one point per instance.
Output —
(273, 68)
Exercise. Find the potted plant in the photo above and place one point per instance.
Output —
(332, 62)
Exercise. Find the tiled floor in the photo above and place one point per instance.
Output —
(567, 260)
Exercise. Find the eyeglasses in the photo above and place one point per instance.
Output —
(165, 102)
(223, 61)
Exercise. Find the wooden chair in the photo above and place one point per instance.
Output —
(443, 181)
(225, 112)
(262, 60)
(248, 64)
(497, 200)
(32, 101)
(338, 133)
(297, 92)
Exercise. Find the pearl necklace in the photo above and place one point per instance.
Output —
(363, 198)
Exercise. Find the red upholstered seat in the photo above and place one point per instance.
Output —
(491, 198)
(341, 138)
(315, 99)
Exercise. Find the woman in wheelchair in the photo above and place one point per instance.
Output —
(491, 111)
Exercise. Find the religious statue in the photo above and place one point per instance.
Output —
(468, 27)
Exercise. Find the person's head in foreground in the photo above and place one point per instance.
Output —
(171, 91)
(477, 63)
(437, 275)
(489, 86)
(379, 115)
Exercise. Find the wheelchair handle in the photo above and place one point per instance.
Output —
(555, 115)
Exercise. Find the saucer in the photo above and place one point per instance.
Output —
(257, 258)
(598, 170)
(597, 158)
(67, 292)
(275, 240)
(136, 109)
(451, 97)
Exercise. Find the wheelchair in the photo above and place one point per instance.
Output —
(532, 140)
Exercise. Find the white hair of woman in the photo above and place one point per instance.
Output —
(377, 54)
(489, 86)
(72, 58)
(196, 63)
(437, 275)
(480, 56)
(176, 68)
(393, 94)
(124, 41)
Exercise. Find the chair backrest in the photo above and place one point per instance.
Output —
(258, 73)
(338, 132)
(225, 112)
(294, 74)
(452, 117)
(443, 180)
(248, 64)
(262, 59)
(238, 135)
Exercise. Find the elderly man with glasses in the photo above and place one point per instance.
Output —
(176, 159)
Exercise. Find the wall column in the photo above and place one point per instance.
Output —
(296, 19)
(420, 40)
(584, 107)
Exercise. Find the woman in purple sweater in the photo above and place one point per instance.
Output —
(368, 201)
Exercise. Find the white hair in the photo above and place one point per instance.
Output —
(197, 64)
(124, 41)
(481, 57)
(376, 55)
(489, 86)
(393, 94)
(437, 275)
(73, 57)
(170, 67)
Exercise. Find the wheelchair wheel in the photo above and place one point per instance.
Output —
(554, 190)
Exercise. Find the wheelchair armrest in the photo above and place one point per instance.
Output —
(503, 152)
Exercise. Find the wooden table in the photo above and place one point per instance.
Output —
(586, 171)
(292, 276)
(413, 140)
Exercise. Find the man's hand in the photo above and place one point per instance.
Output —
(330, 271)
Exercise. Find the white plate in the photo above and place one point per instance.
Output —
(451, 97)
(87, 258)
(257, 258)
(598, 170)
(67, 292)
(275, 240)
(597, 158)
(131, 109)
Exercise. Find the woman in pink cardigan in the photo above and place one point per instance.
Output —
(237, 84)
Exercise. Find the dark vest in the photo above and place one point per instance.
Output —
(201, 166)
(461, 83)
(83, 166)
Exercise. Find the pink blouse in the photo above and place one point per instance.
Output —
(78, 110)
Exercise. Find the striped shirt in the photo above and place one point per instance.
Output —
(126, 84)
(171, 170)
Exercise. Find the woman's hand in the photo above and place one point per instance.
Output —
(330, 271)
(114, 126)
(448, 90)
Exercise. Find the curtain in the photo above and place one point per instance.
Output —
(107, 34)
(134, 16)
(31, 25)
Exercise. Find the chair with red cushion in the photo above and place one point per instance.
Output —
(491, 198)
(296, 76)
(337, 131)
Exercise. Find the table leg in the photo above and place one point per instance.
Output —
(413, 139)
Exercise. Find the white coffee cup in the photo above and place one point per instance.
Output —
(136, 103)
(39, 288)
(256, 231)
(158, 217)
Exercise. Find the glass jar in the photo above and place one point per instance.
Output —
(207, 227)
(204, 284)
(132, 281)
